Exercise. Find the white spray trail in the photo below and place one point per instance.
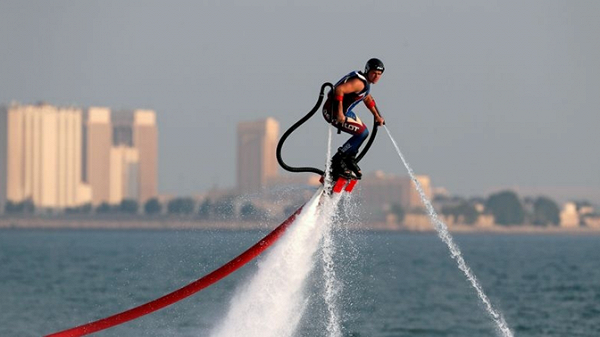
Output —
(273, 301)
(443, 233)
(328, 250)
(332, 284)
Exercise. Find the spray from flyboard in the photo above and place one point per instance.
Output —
(273, 301)
(332, 285)
(328, 250)
(443, 233)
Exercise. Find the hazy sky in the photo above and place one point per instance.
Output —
(480, 95)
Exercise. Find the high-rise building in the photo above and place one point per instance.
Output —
(69, 141)
(44, 156)
(145, 141)
(3, 156)
(97, 153)
(124, 168)
(135, 131)
(62, 157)
(122, 128)
(256, 160)
(15, 171)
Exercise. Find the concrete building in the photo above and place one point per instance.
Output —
(62, 157)
(136, 130)
(3, 156)
(145, 141)
(122, 154)
(569, 217)
(15, 165)
(592, 221)
(256, 158)
(97, 153)
(414, 198)
(378, 191)
(122, 128)
(44, 156)
(124, 168)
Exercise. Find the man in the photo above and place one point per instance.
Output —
(337, 110)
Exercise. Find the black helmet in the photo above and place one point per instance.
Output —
(374, 64)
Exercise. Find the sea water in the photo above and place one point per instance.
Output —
(455, 252)
(394, 284)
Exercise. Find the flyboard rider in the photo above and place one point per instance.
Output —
(338, 110)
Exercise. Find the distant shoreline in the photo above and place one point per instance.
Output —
(174, 223)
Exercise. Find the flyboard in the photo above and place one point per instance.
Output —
(340, 185)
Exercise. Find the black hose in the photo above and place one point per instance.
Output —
(369, 142)
(293, 128)
(302, 121)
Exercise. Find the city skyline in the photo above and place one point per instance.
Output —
(68, 157)
(480, 96)
(258, 136)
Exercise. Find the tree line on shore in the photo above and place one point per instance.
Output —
(225, 208)
(509, 210)
(506, 208)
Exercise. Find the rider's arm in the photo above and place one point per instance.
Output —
(370, 103)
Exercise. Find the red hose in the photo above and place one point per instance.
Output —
(182, 293)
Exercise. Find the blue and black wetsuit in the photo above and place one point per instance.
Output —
(353, 124)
